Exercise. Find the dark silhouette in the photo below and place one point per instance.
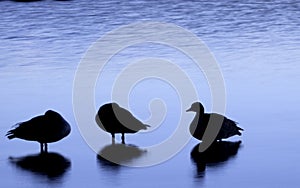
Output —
(44, 129)
(114, 119)
(51, 165)
(199, 124)
(217, 152)
(114, 155)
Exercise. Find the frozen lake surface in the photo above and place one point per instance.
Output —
(256, 45)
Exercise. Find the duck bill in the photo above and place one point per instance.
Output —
(189, 110)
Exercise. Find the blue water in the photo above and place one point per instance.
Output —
(255, 43)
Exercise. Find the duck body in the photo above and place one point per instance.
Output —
(47, 128)
(114, 119)
(202, 120)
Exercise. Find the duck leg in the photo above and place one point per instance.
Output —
(41, 147)
(45, 148)
(123, 138)
(112, 138)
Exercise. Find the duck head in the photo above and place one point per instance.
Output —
(114, 105)
(51, 113)
(196, 107)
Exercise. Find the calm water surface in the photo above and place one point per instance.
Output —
(256, 44)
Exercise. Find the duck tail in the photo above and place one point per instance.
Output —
(146, 126)
(10, 134)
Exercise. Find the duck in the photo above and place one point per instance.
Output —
(199, 124)
(114, 119)
(47, 128)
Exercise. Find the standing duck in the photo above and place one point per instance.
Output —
(199, 124)
(47, 128)
(114, 119)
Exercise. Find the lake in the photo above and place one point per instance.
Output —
(255, 46)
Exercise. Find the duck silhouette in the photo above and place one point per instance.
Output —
(199, 124)
(47, 128)
(114, 119)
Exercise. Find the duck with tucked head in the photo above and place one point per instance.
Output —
(199, 124)
(47, 128)
(114, 119)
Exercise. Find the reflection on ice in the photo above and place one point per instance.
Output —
(114, 155)
(218, 152)
(50, 165)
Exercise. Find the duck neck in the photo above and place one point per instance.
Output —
(197, 118)
(200, 113)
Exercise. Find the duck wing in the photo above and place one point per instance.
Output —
(225, 126)
(28, 130)
(128, 120)
(229, 128)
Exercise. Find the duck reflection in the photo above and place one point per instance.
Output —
(115, 155)
(50, 165)
(218, 152)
